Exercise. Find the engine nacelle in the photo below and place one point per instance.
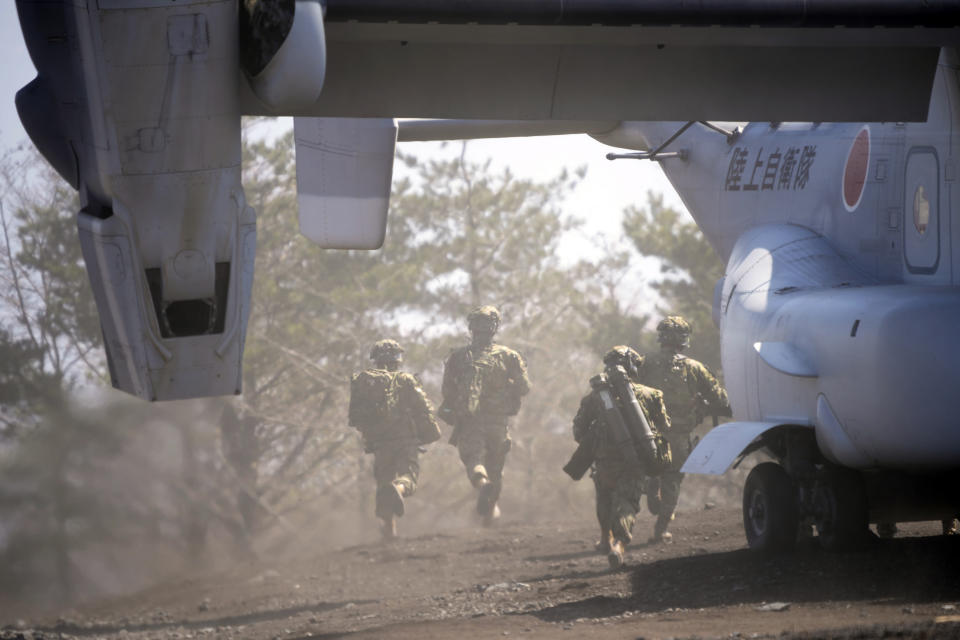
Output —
(160, 349)
(284, 52)
(142, 100)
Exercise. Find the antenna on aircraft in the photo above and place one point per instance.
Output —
(657, 154)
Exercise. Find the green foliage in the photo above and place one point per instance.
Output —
(690, 270)
(608, 317)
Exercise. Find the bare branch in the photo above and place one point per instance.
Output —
(14, 271)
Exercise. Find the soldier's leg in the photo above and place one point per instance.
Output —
(604, 495)
(383, 476)
(625, 503)
(670, 480)
(652, 489)
(472, 447)
(497, 445)
(407, 470)
(391, 472)
(669, 496)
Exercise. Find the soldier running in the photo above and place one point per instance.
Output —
(690, 392)
(483, 386)
(395, 417)
(617, 478)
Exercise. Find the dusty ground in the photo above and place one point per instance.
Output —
(544, 581)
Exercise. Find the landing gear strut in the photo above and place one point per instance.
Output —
(840, 509)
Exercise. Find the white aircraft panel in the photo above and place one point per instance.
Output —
(295, 74)
(786, 358)
(714, 454)
(344, 171)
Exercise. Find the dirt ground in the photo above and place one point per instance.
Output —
(544, 580)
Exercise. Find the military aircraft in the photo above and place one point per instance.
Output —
(843, 259)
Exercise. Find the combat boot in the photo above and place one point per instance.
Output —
(489, 519)
(660, 533)
(615, 555)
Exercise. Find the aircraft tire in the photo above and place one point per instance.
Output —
(840, 510)
(770, 511)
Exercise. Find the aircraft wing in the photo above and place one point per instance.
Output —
(805, 60)
(138, 104)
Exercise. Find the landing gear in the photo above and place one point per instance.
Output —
(804, 491)
(840, 509)
(770, 508)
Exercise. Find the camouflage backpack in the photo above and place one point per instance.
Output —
(373, 398)
(485, 376)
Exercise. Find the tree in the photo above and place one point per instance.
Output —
(690, 269)
(51, 335)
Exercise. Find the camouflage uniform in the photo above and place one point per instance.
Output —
(483, 384)
(618, 483)
(395, 440)
(690, 392)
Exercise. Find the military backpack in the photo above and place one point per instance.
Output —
(374, 396)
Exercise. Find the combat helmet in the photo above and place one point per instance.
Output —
(386, 351)
(674, 331)
(484, 316)
(623, 356)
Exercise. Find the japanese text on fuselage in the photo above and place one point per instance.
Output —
(779, 170)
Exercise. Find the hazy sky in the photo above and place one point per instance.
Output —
(600, 198)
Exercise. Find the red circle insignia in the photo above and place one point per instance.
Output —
(855, 171)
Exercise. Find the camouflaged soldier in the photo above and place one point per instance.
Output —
(691, 392)
(395, 417)
(618, 483)
(483, 386)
